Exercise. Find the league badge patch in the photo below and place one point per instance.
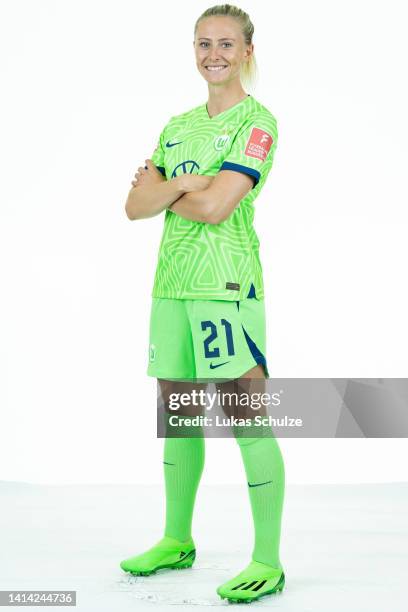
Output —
(258, 144)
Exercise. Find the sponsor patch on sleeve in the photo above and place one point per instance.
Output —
(258, 144)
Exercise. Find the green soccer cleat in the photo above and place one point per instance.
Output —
(167, 553)
(253, 582)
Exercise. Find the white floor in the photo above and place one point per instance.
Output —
(343, 547)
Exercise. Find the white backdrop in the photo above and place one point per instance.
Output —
(86, 89)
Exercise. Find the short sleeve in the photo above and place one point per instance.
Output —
(158, 154)
(253, 148)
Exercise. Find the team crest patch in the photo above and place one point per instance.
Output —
(258, 144)
(221, 141)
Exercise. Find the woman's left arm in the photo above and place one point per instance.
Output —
(215, 203)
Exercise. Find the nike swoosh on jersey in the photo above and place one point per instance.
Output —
(218, 365)
(173, 144)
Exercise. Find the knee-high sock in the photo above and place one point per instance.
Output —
(265, 473)
(183, 465)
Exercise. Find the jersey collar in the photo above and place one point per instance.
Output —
(224, 113)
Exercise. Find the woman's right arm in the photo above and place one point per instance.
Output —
(152, 198)
(154, 193)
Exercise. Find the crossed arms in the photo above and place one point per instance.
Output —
(208, 199)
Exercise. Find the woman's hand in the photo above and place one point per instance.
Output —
(150, 175)
(186, 182)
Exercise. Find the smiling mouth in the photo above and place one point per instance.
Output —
(215, 68)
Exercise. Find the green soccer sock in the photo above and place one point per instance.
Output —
(265, 473)
(183, 465)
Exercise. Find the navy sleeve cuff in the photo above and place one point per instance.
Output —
(238, 168)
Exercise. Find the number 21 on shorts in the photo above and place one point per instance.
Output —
(223, 330)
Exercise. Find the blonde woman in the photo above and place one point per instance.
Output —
(208, 317)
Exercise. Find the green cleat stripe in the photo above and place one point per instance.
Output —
(251, 584)
(238, 586)
(260, 585)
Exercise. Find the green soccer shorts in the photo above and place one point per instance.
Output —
(206, 339)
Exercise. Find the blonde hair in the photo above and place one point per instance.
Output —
(248, 72)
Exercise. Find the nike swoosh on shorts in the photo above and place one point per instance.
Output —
(218, 365)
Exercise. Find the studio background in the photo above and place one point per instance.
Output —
(87, 88)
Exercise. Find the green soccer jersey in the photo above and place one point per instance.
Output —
(200, 260)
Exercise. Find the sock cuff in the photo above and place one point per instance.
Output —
(251, 433)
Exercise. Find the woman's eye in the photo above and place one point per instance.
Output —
(206, 44)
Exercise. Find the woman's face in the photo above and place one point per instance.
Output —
(220, 49)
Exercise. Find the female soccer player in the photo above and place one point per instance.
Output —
(208, 318)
